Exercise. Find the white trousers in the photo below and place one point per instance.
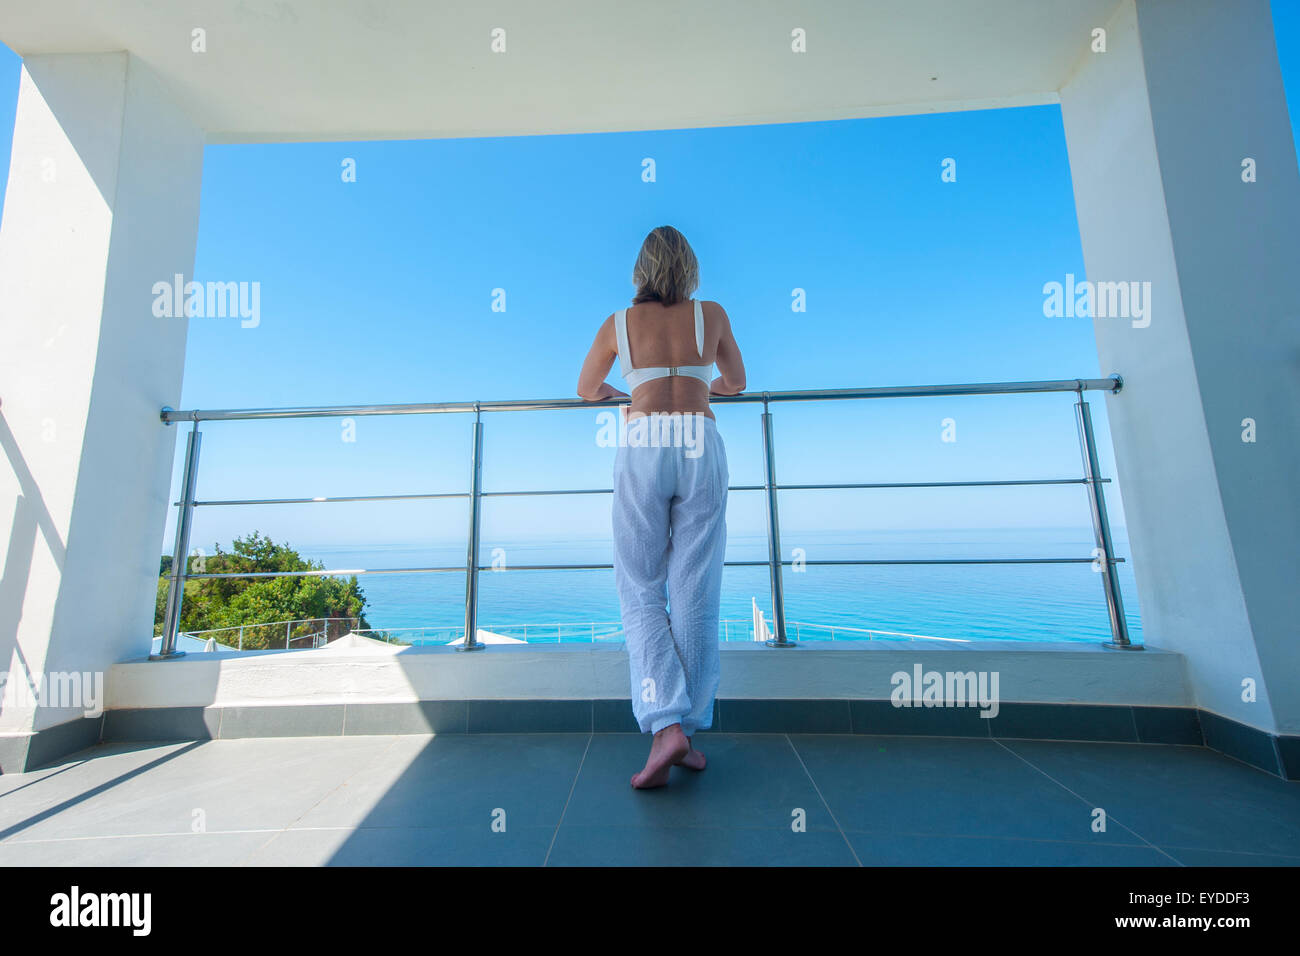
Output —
(670, 533)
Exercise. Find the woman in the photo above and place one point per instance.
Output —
(670, 493)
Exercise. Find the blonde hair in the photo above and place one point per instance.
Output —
(666, 269)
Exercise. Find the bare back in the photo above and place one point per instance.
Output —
(661, 336)
(665, 335)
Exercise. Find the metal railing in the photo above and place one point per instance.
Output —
(319, 634)
(1091, 480)
(591, 632)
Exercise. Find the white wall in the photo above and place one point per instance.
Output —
(102, 201)
(1157, 127)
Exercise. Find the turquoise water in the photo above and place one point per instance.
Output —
(965, 602)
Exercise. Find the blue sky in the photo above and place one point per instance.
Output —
(381, 291)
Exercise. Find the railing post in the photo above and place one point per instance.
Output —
(180, 551)
(1101, 530)
(471, 558)
(773, 534)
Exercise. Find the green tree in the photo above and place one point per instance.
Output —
(211, 603)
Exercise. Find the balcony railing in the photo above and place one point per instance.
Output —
(592, 632)
(1091, 479)
(303, 632)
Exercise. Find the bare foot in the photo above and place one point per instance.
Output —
(669, 746)
(693, 760)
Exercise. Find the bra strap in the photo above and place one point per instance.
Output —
(624, 352)
(699, 328)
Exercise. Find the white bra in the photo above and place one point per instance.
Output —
(636, 377)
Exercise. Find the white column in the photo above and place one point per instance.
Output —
(102, 202)
(1158, 127)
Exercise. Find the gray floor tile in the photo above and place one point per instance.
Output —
(30, 797)
(753, 781)
(1177, 796)
(1195, 857)
(14, 782)
(886, 849)
(697, 846)
(182, 849)
(940, 787)
(431, 800)
(459, 780)
(408, 846)
(237, 784)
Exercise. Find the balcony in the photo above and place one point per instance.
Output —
(335, 750)
(347, 750)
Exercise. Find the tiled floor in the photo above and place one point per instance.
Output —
(563, 799)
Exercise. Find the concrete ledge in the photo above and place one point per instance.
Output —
(840, 670)
(1095, 722)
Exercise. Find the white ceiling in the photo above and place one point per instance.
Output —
(414, 69)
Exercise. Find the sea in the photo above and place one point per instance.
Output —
(955, 602)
